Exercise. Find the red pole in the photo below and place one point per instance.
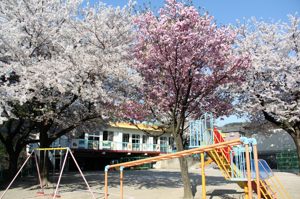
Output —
(81, 173)
(16, 175)
(39, 174)
(59, 178)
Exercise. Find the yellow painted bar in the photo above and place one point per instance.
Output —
(246, 191)
(51, 149)
(249, 185)
(256, 171)
(222, 162)
(282, 188)
(121, 184)
(203, 176)
(105, 186)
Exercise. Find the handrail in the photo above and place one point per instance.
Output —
(280, 188)
(115, 145)
(224, 154)
(177, 154)
(218, 161)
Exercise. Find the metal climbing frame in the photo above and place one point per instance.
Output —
(201, 131)
(238, 163)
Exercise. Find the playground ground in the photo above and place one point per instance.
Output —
(145, 184)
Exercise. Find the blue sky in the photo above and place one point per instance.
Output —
(228, 11)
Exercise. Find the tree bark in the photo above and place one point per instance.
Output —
(44, 160)
(13, 164)
(184, 170)
(296, 138)
(13, 156)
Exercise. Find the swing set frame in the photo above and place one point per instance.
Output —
(33, 152)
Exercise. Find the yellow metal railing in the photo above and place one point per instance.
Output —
(282, 188)
(215, 156)
(266, 188)
(274, 184)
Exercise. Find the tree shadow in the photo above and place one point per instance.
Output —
(139, 179)
(225, 193)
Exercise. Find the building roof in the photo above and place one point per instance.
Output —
(144, 127)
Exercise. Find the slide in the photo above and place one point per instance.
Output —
(270, 186)
(230, 156)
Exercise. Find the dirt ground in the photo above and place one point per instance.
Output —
(146, 184)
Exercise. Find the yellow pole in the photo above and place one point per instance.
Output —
(203, 176)
(256, 169)
(246, 191)
(248, 171)
(121, 182)
(52, 149)
(106, 183)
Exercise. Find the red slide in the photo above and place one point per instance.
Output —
(219, 138)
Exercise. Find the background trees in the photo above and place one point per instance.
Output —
(62, 64)
(272, 87)
(184, 59)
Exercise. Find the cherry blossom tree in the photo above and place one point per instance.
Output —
(184, 60)
(272, 87)
(61, 64)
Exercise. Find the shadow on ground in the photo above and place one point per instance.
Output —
(226, 193)
(140, 179)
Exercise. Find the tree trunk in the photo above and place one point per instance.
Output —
(296, 138)
(184, 170)
(13, 164)
(44, 159)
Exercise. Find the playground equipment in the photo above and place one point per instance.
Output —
(234, 162)
(237, 160)
(35, 153)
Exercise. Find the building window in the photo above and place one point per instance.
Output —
(108, 136)
(135, 142)
(155, 140)
(82, 136)
(93, 142)
(125, 137)
(172, 143)
(163, 141)
(136, 138)
(145, 139)
(163, 144)
(93, 136)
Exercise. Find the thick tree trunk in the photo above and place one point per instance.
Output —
(13, 164)
(13, 157)
(296, 138)
(184, 170)
(44, 159)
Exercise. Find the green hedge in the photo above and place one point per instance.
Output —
(287, 160)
